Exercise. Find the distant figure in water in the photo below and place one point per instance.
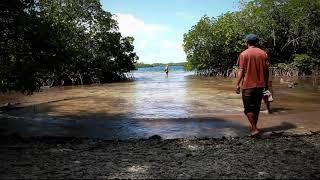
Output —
(253, 72)
(166, 70)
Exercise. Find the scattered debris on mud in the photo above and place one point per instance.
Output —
(277, 156)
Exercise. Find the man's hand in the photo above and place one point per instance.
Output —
(238, 89)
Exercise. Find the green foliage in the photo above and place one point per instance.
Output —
(284, 28)
(187, 67)
(46, 43)
(284, 66)
(305, 63)
(142, 65)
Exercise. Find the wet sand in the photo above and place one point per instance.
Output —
(53, 134)
(178, 106)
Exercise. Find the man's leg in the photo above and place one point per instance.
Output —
(258, 95)
(271, 91)
(249, 109)
(252, 102)
(267, 103)
(268, 107)
(253, 119)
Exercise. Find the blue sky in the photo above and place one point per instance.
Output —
(158, 25)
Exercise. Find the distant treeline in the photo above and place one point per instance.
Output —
(142, 65)
(289, 30)
(56, 42)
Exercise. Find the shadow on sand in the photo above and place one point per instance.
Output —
(283, 127)
(35, 121)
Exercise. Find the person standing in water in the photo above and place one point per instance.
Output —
(253, 73)
(166, 70)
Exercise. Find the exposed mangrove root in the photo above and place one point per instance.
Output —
(276, 72)
(217, 72)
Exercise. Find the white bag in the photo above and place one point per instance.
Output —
(268, 93)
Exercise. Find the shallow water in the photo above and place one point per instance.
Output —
(173, 106)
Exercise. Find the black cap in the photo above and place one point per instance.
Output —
(251, 38)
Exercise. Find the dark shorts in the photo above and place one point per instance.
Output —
(252, 99)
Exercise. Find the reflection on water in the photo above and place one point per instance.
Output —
(177, 105)
(161, 96)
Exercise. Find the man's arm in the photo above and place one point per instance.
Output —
(239, 79)
(240, 72)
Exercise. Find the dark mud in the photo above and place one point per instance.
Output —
(277, 156)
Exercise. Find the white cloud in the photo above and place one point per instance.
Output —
(142, 44)
(132, 26)
(174, 49)
(172, 45)
(152, 41)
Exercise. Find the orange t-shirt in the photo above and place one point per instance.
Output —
(254, 63)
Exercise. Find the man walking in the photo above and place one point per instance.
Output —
(253, 73)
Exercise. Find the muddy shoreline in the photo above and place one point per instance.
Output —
(276, 156)
(180, 106)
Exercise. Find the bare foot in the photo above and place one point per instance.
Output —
(255, 133)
